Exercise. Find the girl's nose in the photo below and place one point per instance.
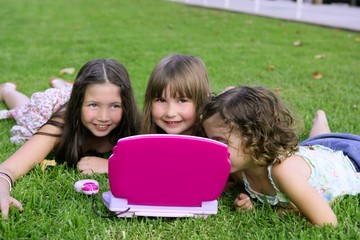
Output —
(103, 115)
(171, 111)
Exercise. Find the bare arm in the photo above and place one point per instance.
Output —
(23, 161)
(30, 154)
(291, 177)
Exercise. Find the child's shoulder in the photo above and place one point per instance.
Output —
(290, 167)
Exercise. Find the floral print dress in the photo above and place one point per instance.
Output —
(31, 116)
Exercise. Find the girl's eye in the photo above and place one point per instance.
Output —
(223, 141)
(93, 105)
(161, 100)
(220, 139)
(184, 100)
(116, 106)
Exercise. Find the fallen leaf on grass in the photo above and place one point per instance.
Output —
(45, 163)
(278, 90)
(319, 56)
(270, 68)
(67, 71)
(216, 32)
(317, 75)
(297, 43)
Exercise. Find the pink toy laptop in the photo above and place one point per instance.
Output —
(166, 175)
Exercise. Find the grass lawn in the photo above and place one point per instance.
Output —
(39, 38)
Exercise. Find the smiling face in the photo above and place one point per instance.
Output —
(101, 110)
(174, 115)
(218, 130)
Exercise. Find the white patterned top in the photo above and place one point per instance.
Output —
(332, 175)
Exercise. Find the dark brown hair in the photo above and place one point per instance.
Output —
(98, 71)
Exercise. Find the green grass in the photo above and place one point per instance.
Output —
(38, 38)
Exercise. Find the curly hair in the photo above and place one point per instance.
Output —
(265, 124)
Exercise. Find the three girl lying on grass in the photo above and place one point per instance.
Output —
(257, 127)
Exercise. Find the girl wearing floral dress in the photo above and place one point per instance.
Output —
(31, 113)
(101, 109)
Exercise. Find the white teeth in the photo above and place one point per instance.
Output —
(101, 126)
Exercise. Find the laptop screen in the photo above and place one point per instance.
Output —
(168, 170)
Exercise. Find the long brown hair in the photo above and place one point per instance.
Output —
(98, 71)
(186, 76)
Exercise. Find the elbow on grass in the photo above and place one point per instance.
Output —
(331, 222)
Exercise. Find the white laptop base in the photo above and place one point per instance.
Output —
(118, 205)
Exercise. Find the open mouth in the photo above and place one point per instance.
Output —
(173, 122)
(101, 127)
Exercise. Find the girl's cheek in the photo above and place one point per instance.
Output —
(118, 117)
(231, 158)
(232, 151)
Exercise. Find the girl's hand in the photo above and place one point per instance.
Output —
(6, 201)
(90, 165)
(243, 201)
(22, 161)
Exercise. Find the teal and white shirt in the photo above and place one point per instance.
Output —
(332, 175)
